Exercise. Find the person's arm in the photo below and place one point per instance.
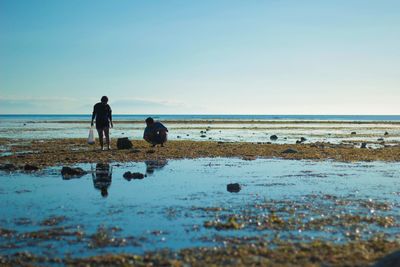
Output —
(110, 118)
(93, 115)
(146, 134)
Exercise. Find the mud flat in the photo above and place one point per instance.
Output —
(42, 153)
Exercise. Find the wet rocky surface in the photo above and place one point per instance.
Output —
(285, 213)
(37, 154)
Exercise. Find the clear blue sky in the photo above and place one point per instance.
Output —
(177, 57)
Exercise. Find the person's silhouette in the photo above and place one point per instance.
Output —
(102, 178)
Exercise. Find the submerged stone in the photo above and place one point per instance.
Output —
(233, 188)
(133, 175)
(68, 172)
(273, 137)
(30, 168)
(8, 167)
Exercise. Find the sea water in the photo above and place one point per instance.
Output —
(227, 128)
(171, 205)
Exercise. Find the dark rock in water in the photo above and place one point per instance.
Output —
(203, 136)
(133, 175)
(30, 168)
(152, 165)
(353, 133)
(289, 151)
(391, 260)
(178, 137)
(302, 139)
(233, 188)
(124, 143)
(363, 145)
(8, 167)
(68, 172)
(386, 133)
(381, 139)
(273, 137)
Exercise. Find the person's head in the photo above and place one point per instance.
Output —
(149, 121)
(104, 100)
(104, 192)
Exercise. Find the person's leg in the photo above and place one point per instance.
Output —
(163, 137)
(100, 132)
(107, 134)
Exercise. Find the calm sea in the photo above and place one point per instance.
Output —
(69, 117)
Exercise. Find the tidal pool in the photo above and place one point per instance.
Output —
(186, 203)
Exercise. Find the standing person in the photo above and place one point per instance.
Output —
(102, 113)
(155, 132)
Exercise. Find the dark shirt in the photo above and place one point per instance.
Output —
(152, 130)
(102, 113)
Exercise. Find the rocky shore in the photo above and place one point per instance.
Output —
(28, 154)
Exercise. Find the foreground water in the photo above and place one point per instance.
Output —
(185, 203)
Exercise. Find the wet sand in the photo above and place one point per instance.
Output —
(72, 151)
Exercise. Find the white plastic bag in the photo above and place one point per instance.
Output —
(91, 139)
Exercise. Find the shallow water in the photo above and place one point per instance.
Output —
(246, 131)
(181, 203)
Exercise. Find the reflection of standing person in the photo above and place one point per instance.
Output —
(102, 178)
(102, 113)
(155, 132)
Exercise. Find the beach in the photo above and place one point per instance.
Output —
(220, 191)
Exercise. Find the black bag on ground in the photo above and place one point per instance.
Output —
(124, 143)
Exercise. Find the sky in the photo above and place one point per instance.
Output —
(200, 57)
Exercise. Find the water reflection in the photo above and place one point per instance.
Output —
(102, 178)
(152, 165)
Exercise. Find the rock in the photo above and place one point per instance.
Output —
(386, 133)
(353, 133)
(133, 175)
(8, 167)
(289, 151)
(363, 145)
(30, 168)
(203, 136)
(302, 139)
(233, 188)
(273, 137)
(391, 260)
(68, 172)
(178, 137)
(381, 139)
(124, 143)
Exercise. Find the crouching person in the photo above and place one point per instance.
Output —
(155, 132)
